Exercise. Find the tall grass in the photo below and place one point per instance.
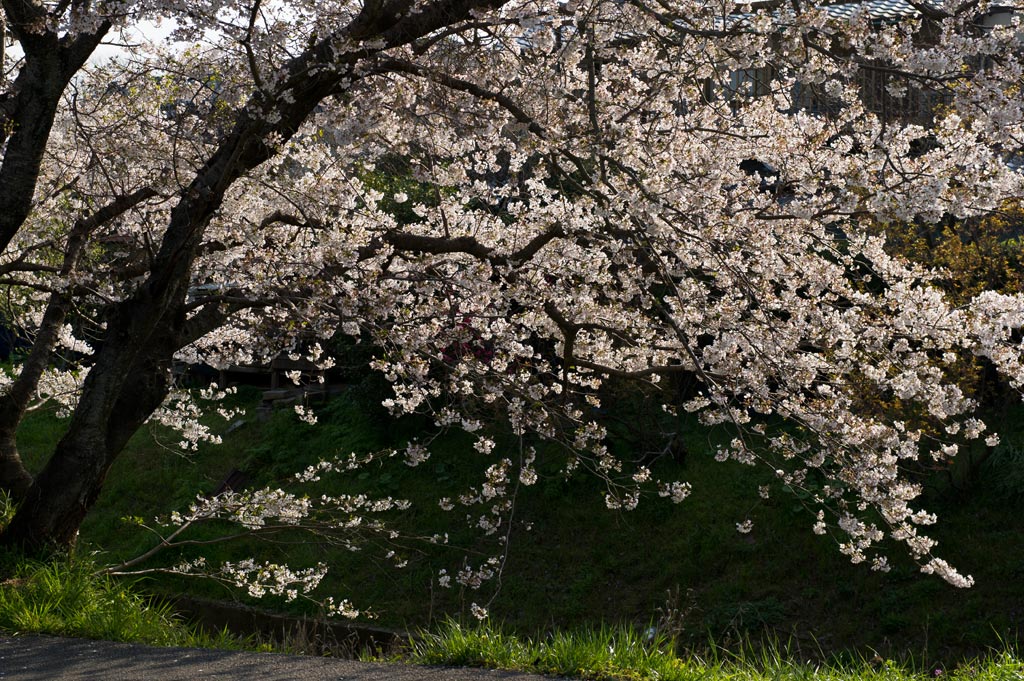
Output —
(65, 596)
(610, 653)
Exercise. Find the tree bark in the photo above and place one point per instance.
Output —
(130, 375)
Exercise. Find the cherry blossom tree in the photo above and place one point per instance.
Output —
(583, 192)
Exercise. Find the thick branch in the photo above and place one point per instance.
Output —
(49, 66)
(437, 245)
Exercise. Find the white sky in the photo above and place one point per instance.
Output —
(146, 31)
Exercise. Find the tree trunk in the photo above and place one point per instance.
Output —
(49, 65)
(14, 477)
(129, 378)
(134, 379)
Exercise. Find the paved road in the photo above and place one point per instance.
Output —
(45, 658)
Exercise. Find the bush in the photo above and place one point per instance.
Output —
(1003, 473)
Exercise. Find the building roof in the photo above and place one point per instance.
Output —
(881, 11)
(878, 10)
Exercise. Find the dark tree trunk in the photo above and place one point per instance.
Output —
(31, 106)
(133, 376)
(66, 489)
(130, 376)
(14, 478)
(39, 88)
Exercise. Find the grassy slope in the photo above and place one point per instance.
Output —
(581, 564)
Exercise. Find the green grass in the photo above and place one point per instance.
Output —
(65, 598)
(595, 653)
(612, 653)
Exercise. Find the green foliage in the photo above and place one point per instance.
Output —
(66, 596)
(482, 646)
(7, 508)
(393, 176)
(1003, 473)
(968, 257)
(608, 653)
(748, 617)
(975, 255)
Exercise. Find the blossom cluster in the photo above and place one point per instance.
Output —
(529, 203)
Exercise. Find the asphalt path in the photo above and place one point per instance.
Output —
(47, 658)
